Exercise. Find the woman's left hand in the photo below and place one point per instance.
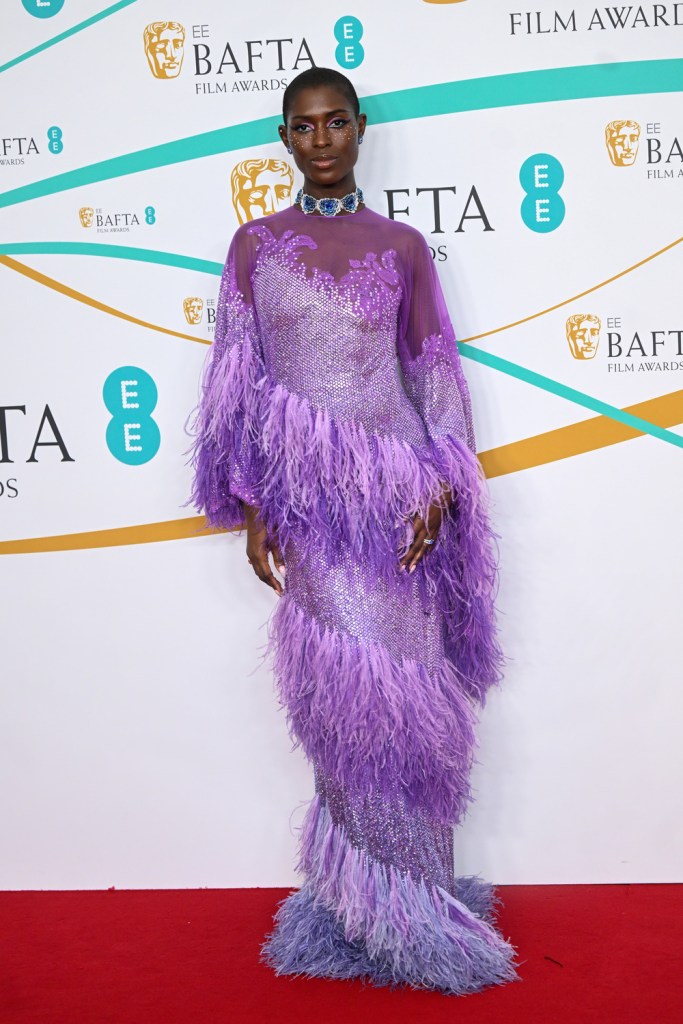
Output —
(424, 531)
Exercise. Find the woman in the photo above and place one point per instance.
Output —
(335, 419)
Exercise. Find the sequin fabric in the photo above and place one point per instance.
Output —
(334, 401)
(390, 832)
(335, 325)
(335, 341)
(344, 595)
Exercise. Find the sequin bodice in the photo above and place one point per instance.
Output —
(330, 334)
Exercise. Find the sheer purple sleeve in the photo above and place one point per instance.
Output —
(465, 558)
(224, 456)
(428, 352)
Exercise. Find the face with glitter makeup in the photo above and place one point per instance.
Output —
(323, 131)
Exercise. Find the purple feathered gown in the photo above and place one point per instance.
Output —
(333, 399)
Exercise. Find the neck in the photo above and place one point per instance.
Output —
(335, 191)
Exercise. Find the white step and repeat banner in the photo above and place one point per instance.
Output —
(541, 154)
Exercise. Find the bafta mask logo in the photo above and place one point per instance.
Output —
(165, 47)
(583, 335)
(622, 139)
(260, 187)
(193, 308)
(87, 215)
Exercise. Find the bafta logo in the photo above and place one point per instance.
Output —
(87, 216)
(583, 334)
(260, 187)
(165, 47)
(192, 308)
(621, 139)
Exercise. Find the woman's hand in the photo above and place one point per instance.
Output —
(425, 530)
(259, 545)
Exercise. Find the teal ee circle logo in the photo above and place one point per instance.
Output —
(43, 8)
(54, 139)
(130, 395)
(348, 32)
(542, 176)
(150, 215)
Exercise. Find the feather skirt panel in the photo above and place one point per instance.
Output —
(357, 917)
(324, 481)
(368, 720)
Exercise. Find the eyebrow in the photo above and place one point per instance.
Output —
(307, 117)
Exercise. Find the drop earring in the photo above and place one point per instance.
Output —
(289, 149)
(360, 139)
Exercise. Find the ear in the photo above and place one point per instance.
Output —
(282, 132)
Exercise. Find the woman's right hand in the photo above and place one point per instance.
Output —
(259, 546)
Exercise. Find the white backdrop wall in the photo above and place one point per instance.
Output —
(141, 744)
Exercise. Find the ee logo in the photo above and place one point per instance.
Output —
(43, 8)
(348, 32)
(542, 176)
(54, 139)
(130, 395)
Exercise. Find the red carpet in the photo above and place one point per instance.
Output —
(603, 953)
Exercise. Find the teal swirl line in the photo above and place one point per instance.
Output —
(119, 252)
(66, 34)
(538, 380)
(469, 351)
(497, 91)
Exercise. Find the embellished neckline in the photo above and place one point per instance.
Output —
(318, 216)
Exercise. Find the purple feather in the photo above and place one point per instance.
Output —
(381, 673)
(328, 482)
(366, 718)
(381, 923)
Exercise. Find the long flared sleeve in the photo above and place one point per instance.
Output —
(225, 458)
(428, 353)
(464, 559)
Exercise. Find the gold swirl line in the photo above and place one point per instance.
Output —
(541, 449)
(71, 293)
(173, 529)
(573, 298)
(579, 438)
(57, 286)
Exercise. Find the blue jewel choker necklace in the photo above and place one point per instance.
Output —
(329, 207)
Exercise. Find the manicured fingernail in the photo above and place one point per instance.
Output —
(281, 569)
(403, 568)
(412, 568)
